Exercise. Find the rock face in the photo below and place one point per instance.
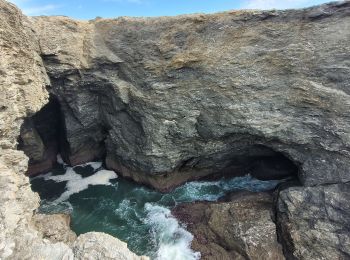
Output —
(173, 98)
(22, 86)
(314, 222)
(164, 100)
(239, 229)
(41, 138)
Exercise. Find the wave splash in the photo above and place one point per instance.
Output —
(98, 201)
(172, 240)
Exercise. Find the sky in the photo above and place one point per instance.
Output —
(90, 9)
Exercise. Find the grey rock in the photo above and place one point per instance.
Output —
(32, 144)
(23, 80)
(241, 228)
(175, 98)
(41, 138)
(314, 222)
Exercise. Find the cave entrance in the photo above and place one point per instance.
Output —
(117, 206)
(42, 137)
(265, 164)
(259, 161)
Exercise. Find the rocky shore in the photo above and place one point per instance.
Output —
(170, 99)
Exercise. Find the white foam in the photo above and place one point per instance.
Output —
(172, 241)
(94, 165)
(213, 190)
(76, 183)
(123, 209)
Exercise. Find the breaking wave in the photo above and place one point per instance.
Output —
(99, 201)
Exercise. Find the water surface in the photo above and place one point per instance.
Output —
(100, 201)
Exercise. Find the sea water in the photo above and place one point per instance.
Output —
(98, 200)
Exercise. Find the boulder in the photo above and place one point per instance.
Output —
(241, 228)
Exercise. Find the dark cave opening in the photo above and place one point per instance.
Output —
(272, 166)
(42, 137)
(259, 161)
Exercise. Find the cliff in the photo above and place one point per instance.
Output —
(169, 99)
(24, 235)
(174, 98)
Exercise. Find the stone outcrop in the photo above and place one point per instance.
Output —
(241, 228)
(55, 228)
(95, 245)
(22, 86)
(314, 222)
(169, 99)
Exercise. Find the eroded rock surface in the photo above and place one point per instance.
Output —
(55, 227)
(41, 138)
(173, 98)
(239, 229)
(22, 93)
(168, 99)
(314, 222)
(101, 246)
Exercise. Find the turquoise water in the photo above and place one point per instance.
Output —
(100, 201)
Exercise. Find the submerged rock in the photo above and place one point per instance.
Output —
(314, 222)
(175, 98)
(241, 228)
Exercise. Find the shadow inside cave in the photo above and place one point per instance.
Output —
(43, 137)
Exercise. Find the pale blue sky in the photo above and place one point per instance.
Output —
(89, 9)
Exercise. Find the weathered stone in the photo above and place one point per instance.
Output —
(175, 98)
(314, 222)
(239, 229)
(100, 246)
(41, 138)
(22, 93)
(55, 227)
